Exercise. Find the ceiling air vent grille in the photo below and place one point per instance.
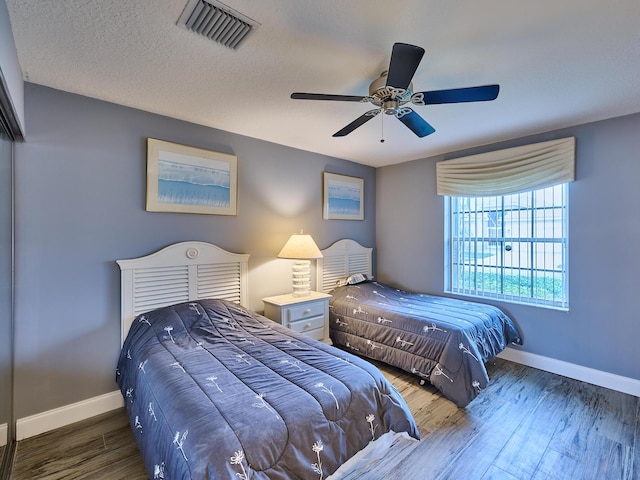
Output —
(217, 22)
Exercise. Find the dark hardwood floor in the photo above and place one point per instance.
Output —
(527, 425)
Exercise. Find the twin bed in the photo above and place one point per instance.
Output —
(442, 340)
(214, 390)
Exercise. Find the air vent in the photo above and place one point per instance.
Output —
(217, 22)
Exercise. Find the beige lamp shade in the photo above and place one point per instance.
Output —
(300, 246)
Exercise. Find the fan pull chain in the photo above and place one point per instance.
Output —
(382, 129)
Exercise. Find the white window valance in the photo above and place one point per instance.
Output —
(512, 170)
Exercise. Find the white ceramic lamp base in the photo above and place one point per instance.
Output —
(301, 279)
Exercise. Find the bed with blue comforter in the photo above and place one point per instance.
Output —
(442, 340)
(216, 391)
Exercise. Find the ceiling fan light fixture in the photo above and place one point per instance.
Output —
(390, 107)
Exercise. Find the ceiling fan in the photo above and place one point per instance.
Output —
(393, 90)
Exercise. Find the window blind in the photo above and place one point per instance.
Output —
(512, 170)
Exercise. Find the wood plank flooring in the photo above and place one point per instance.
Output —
(527, 425)
(101, 447)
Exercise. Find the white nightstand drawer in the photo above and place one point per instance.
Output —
(305, 311)
(307, 324)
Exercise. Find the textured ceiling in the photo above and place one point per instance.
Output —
(559, 63)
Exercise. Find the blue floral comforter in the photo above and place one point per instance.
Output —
(442, 340)
(214, 391)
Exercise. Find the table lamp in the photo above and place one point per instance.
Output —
(301, 248)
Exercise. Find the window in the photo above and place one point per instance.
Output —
(510, 247)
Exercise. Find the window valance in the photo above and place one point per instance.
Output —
(512, 170)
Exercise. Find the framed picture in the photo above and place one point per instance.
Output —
(343, 197)
(190, 180)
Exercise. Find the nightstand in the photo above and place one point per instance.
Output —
(308, 315)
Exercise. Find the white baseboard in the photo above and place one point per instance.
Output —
(4, 432)
(571, 370)
(59, 417)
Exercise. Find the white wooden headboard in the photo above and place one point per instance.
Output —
(341, 259)
(179, 273)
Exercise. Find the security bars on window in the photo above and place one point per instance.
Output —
(511, 247)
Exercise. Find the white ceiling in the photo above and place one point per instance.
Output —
(558, 62)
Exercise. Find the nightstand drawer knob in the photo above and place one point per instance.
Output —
(307, 326)
(307, 311)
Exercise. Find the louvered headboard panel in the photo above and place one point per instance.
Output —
(179, 273)
(343, 258)
(159, 287)
(220, 281)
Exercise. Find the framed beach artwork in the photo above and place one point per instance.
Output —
(343, 197)
(190, 180)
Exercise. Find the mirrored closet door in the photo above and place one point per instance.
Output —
(7, 423)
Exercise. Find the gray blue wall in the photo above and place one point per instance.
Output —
(80, 199)
(602, 327)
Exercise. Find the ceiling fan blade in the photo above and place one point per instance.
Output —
(358, 122)
(457, 95)
(404, 62)
(322, 96)
(415, 122)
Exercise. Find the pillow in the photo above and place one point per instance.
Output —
(354, 279)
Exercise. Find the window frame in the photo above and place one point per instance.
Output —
(454, 266)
